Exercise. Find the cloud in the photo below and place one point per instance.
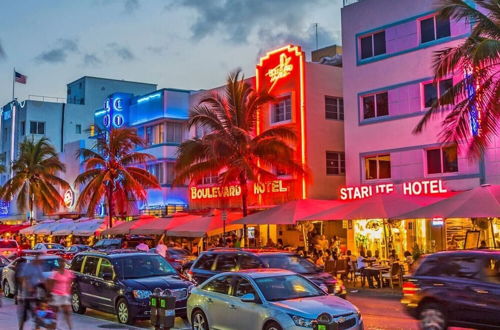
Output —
(131, 5)
(122, 52)
(236, 20)
(59, 53)
(91, 60)
(156, 49)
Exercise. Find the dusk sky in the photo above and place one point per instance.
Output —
(189, 44)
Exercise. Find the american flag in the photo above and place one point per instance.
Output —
(20, 78)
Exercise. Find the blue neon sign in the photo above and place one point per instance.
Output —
(473, 111)
(149, 98)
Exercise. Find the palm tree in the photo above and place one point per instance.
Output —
(111, 172)
(35, 181)
(232, 149)
(478, 59)
(2, 169)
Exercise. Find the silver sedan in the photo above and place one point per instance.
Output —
(268, 299)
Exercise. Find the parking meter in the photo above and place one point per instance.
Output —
(166, 310)
(325, 322)
(154, 304)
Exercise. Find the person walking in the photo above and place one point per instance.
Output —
(161, 248)
(30, 278)
(59, 286)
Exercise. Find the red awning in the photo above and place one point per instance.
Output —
(11, 228)
(207, 225)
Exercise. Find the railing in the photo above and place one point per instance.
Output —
(47, 98)
(349, 2)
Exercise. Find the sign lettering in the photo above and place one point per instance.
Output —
(416, 188)
(283, 69)
(275, 186)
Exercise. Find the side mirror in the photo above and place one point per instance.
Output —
(107, 276)
(248, 297)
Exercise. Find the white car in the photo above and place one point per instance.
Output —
(267, 299)
(51, 248)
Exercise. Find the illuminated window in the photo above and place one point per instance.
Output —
(92, 130)
(37, 127)
(157, 170)
(170, 172)
(376, 105)
(209, 179)
(155, 134)
(378, 167)
(432, 90)
(282, 110)
(434, 28)
(335, 163)
(334, 108)
(373, 45)
(442, 160)
(174, 132)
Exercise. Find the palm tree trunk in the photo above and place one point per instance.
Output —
(110, 205)
(244, 206)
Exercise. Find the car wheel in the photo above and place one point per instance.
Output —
(432, 317)
(76, 304)
(6, 289)
(272, 326)
(199, 321)
(123, 312)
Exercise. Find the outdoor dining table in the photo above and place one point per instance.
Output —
(380, 269)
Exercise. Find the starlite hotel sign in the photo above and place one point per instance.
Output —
(412, 188)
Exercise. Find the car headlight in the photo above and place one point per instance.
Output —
(339, 287)
(302, 321)
(141, 294)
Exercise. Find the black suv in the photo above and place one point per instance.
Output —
(218, 261)
(455, 288)
(121, 282)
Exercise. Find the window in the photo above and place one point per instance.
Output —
(249, 262)
(92, 130)
(78, 129)
(157, 170)
(492, 270)
(434, 28)
(90, 266)
(243, 287)
(378, 167)
(373, 45)
(174, 132)
(442, 160)
(205, 262)
(227, 262)
(432, 90)
(170, 173)
(23, 127)
(376, 105)
(281, 110)
(105, 268)
(37, 127)
(209, 179)
(335, 163)
(219, 285)
(155, 134)
(334, 108)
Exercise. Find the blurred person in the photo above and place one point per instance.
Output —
(334, 242)
(45, 317)
(320, 262)
(393, 257)
(377, 254)
(30, 277)
(362, 264)
(482, 245)
(280, 244)
(125, 245)
(270, 243)
(59, 286)
(142, 246)
(323, 243)
(161, 248)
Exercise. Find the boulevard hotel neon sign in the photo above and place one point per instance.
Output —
(275, 186)
(414, 188)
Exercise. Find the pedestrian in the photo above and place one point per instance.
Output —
(31, 277)
(483, 245)
(142, 246)
(161, 248)
(59, 286)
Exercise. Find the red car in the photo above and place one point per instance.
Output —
(72, 250)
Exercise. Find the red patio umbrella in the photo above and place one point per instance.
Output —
(480, 202)
(207, 225)
(289, 213)
(160, 226)
(125, 227)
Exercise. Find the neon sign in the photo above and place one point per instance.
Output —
(69, 198)
(282, 70)
(474, 114)
(149, 97)
(414, 188)
(275, 186)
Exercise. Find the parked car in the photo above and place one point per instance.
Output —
(265, 299)
(121, 282)
(70, 252)
(119, 242)
(3, 262)
(217, 261)
(49, 263)
(50, 248)
(177, 257)
(455, 288)
(8, 247)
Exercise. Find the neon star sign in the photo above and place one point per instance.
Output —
(282, 70)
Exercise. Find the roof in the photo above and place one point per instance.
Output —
(42, 257)
(262, 272)
(117, 253)
(111, 79)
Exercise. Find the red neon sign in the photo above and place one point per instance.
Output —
(413, 188)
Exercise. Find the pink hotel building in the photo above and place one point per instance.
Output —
(388, 49)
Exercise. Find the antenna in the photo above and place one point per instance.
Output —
(316, 31)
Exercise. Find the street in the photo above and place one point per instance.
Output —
(380, 312)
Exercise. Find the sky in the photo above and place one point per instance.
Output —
(189, 44)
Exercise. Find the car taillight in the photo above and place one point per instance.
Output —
(190, 275)
(410, 288)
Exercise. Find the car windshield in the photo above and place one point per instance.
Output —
(49, 265)
(178, 252)
(277, 288)
(143, 266)
(8, 245)
(292, 263)
(54, 246)
(108, 242)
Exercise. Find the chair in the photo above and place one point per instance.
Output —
(357, 273)
(330, 267)
(394, 275)
(341, 268)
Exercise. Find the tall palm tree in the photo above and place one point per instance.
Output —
(478, 59)
(35, 181)
(232, 149)
(111, 172)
